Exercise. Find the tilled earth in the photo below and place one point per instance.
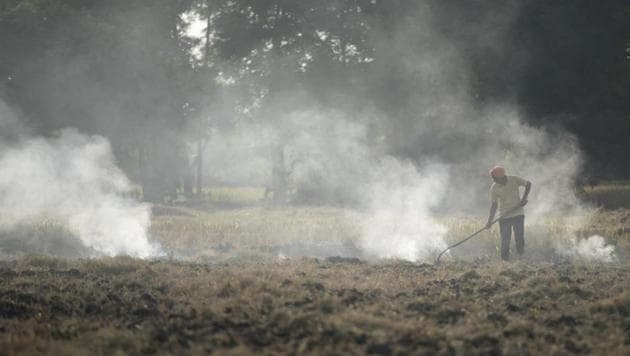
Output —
(325, 306)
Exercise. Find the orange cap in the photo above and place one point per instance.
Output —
(497, 172)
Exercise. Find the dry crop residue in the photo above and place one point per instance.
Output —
(344, 306)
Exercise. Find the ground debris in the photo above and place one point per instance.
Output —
(482, 307)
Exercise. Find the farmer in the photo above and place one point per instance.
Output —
(505, 195)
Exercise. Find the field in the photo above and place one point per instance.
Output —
(233, 281)
(610, 195)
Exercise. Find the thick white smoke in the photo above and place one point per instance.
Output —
(399, 224)
(594, 249)
(72, 178)
(330, 159)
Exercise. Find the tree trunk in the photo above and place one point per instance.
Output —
(200, 142)
(199, 168)
(279, 176)
(189, 178)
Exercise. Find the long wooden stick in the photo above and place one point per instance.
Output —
(437, 261)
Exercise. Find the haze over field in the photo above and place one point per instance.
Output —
(388, 110)
(313, 177)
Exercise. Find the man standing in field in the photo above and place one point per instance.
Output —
(505, 195)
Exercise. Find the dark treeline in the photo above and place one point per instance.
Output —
(130, 71)
(568, 64)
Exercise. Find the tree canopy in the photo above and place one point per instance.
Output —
(128, 69)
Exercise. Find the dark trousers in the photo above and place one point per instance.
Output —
(506, 226)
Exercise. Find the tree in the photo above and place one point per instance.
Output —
(116, 68)
(274, 49)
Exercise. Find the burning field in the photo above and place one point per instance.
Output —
(263, 298)
(279, 177)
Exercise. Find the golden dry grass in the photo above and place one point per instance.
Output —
(609, 195)
(255, 233)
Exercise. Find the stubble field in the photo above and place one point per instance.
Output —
(233, 282)
(330, 306)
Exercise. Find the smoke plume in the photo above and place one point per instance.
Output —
(399, 223)
(437, 119)
(591, 249)
(72, 178)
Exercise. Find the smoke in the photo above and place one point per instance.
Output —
(427, 111)
(72, 178)
(591, 249)
(330, 160)
(442, 119)
(399, 223)
(406, 139)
